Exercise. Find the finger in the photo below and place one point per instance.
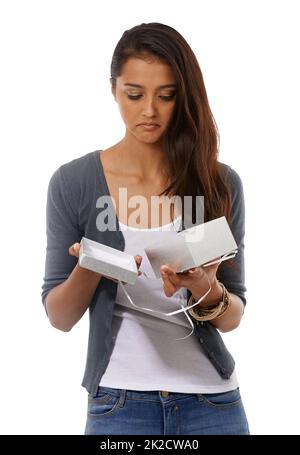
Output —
(195, 274)
(169, 287)
(138, 260)
(171, 275)
(181, 279)
(74, 249)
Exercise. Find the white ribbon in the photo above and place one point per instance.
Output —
(183, 308)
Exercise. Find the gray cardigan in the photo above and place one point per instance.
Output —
(71, 213)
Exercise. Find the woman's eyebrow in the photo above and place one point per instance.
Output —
(129, 84)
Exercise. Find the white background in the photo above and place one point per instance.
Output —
(56, 105)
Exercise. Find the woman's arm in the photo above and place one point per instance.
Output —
(68, 288)
(198, 279)
(67, 302)
(232, 316)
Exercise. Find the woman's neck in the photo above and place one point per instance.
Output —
(145, 161)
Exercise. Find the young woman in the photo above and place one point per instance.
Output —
(143, 374)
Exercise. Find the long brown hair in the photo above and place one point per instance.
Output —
(192, 139)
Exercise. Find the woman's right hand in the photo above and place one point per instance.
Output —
(74, 251)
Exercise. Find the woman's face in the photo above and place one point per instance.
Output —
(145, 93)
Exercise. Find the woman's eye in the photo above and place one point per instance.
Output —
(167, 97)
(134, 97)
(163, 97)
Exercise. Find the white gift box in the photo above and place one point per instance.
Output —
(107, 261)
(193, 247)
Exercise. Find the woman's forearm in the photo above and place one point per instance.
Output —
(232, 316)
(67, 302)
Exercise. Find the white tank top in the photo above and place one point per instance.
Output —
(145, 353)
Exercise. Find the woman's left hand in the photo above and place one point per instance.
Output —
(196, 279)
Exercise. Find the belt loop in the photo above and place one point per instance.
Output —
(122, 398)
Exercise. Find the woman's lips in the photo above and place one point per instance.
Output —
(148, 127)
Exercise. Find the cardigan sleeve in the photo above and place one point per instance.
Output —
(61, 232)
(232, 272)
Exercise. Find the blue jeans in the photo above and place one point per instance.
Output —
(133, 412)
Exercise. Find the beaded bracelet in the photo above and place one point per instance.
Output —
(207, 314)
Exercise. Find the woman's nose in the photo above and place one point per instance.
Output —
(149, 107)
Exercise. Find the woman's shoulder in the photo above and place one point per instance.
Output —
(78, 166)
(231, 176)
(75, 171)
(74, 180)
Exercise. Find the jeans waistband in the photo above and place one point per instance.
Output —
(155, 395)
